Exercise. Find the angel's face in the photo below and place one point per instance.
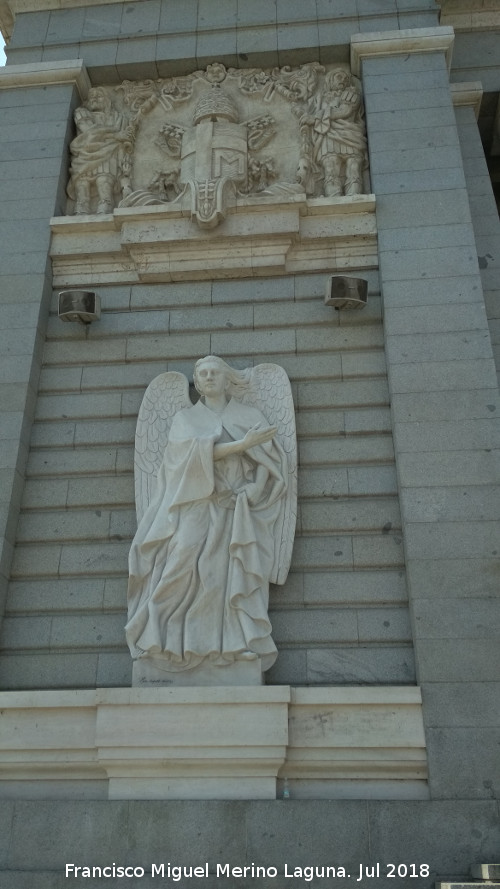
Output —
(210, 379)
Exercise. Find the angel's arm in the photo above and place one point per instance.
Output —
(257, 435)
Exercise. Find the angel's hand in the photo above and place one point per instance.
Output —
(258, 435)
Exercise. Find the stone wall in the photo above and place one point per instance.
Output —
(447, 835)
(162, 38)
(421, 381)
(342, 616)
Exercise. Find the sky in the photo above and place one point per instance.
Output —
(2, 55)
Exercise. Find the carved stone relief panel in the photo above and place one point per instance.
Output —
(208, 138)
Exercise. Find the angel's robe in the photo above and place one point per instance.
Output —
(202, 558)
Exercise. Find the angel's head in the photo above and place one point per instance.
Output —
(233, 381)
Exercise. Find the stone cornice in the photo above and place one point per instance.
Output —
(392, 43)
(46, 74)
(469, 94)
(220, 742)
(10, 8)
(259, 237)
(470, 16)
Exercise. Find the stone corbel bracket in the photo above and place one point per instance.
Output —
(42, 74)
(214, 743)
(403, 42)
(261, 236)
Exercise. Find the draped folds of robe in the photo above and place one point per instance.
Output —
(202, 558)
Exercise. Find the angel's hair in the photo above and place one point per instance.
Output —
(237, 381)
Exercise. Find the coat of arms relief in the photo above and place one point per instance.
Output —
(209, 139)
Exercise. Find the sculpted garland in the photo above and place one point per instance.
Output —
(198, 141)
(216, 488)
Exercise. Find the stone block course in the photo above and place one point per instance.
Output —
(440, 406)
(52, 670)
(361, 515)
(436, 469)
(99, 57)
(422, 828)
(314, 626)
(102, 21)
(176, 54)
(293, 34)
(457, 578)
(138, 19)
(82, 525)
(410, 119)
(478, 503)
(328, 338)
(463, 346)
(419, 181)
(397, 100)
(260, 12)
(110, 491)
(91, 631)
(363, 364)
(478, 775)
(361, 449)
(461, 704)
(134, 57)
(114, 670)
(31, 29)
(64, 25)
(54, 462)
(360, 665)
(374, 480)
(56, 53)
(24, 56)
(476, 618)
(221, 45)
(441, 660)
(384, 625)
(257, 46)
(462, 435)
(350, 393)
(434, 376)
(464, 316)
(450, 538)
(417, 209)
(374, 551)
(411, 160)
(348, 588)
(67, 595)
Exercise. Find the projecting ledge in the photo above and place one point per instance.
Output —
(259, 236)
(213, 743)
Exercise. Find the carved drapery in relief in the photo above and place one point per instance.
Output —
(209, 138)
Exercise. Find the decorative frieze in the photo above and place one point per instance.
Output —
(203, 140)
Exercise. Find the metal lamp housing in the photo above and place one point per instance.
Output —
(79, 305)
(346, 293)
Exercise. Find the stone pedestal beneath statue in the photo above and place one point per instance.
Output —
(213, 743)
(150, 671)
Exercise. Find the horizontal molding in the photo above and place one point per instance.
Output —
(403, 42)
(293, 627)
(45, 74)
(260, 237)
(342, 551)
(218, 743)
(468, 94)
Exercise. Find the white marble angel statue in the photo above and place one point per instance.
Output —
(216, 506)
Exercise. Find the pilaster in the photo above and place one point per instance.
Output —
(36, 103)
(444, 395)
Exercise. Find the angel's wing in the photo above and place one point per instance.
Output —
(167, 394)
(271, 393)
